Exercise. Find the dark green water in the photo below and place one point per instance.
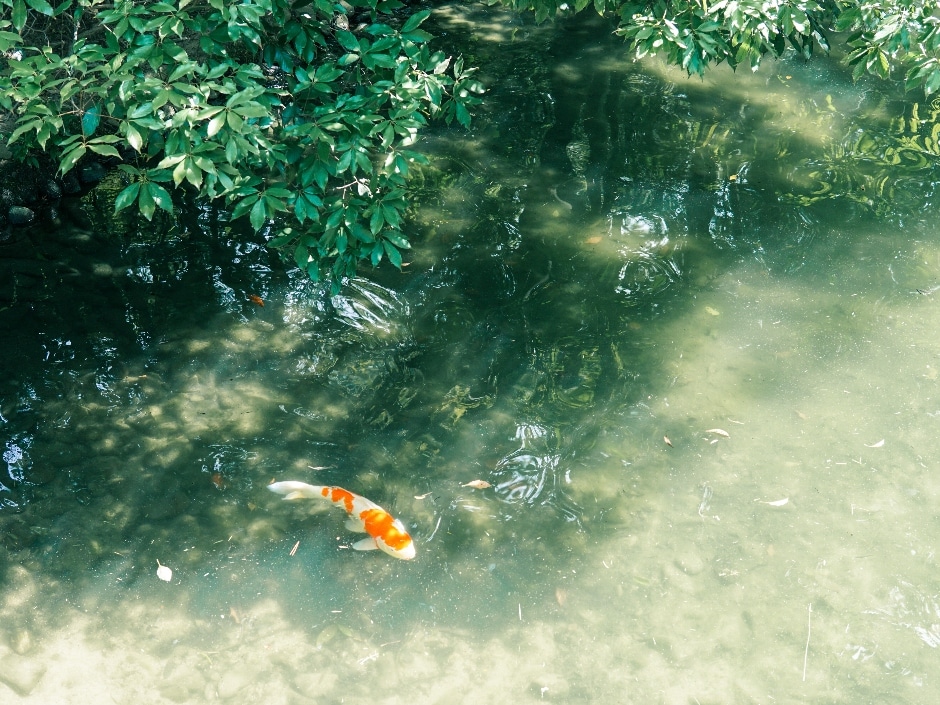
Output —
(685, 330)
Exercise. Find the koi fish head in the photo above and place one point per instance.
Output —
(388, 533)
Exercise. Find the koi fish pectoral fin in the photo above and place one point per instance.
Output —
(368, 544)
(354, 523)
(295, 495)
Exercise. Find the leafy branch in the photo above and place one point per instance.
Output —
(274, 108)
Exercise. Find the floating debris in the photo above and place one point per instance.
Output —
(255, 299)
(667, 441)
(477, 484)
(775, 503)
(719, 431)
(879, 444)
(164, 573)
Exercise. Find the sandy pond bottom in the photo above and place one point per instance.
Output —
(692, 582)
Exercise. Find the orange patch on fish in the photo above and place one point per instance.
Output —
(338, 495)
(380, 523)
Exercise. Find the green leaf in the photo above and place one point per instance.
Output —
(376, 221)
(216, 124)
(70, 159)
(252, 110)
(126, 197)
(283, 239)
(348, 41)
(463, 115)
(41, 6)
(145, 203)
(140, 111)
(415, 21)
(418, 36)
(19, 15)
(105, 150)
(258, 214)
(134, 138)
(90, 120)
(394, 256)
(160, 196)
(301, 256)
(398, 240)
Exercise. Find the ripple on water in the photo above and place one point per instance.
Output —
(370, 307)
(532, 474)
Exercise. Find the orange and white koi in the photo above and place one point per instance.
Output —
(385, 532)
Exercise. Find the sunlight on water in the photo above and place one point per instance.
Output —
(661, 435)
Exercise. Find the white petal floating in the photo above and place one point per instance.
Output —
(719, 431)
(164, 573)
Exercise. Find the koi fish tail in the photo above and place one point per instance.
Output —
(291, 489)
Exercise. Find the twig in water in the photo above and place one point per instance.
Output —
(436, 527)
(809, 629)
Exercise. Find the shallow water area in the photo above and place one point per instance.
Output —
(683, 331)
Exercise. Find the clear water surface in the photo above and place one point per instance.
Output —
(687, 332)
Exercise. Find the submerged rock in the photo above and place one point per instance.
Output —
(20, 215)
(92, 173)
(20, 673)
(233, 682)
(183, 684)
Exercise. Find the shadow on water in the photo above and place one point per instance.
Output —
(151, 399)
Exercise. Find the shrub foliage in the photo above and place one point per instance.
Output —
(298, 114)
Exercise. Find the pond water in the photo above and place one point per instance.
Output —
(685, 331)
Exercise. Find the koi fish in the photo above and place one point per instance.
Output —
(385, 532)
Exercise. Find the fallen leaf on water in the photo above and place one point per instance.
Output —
(218, 480)
(165, 574)
(593, 240)
(712, 311)
(876, 445)
(561, 596)
(668, 442)
(477, 484)
(719, 431)
(254, 298)
(776, 502)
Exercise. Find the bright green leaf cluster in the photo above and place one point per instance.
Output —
(694, 34)
(298, 114)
